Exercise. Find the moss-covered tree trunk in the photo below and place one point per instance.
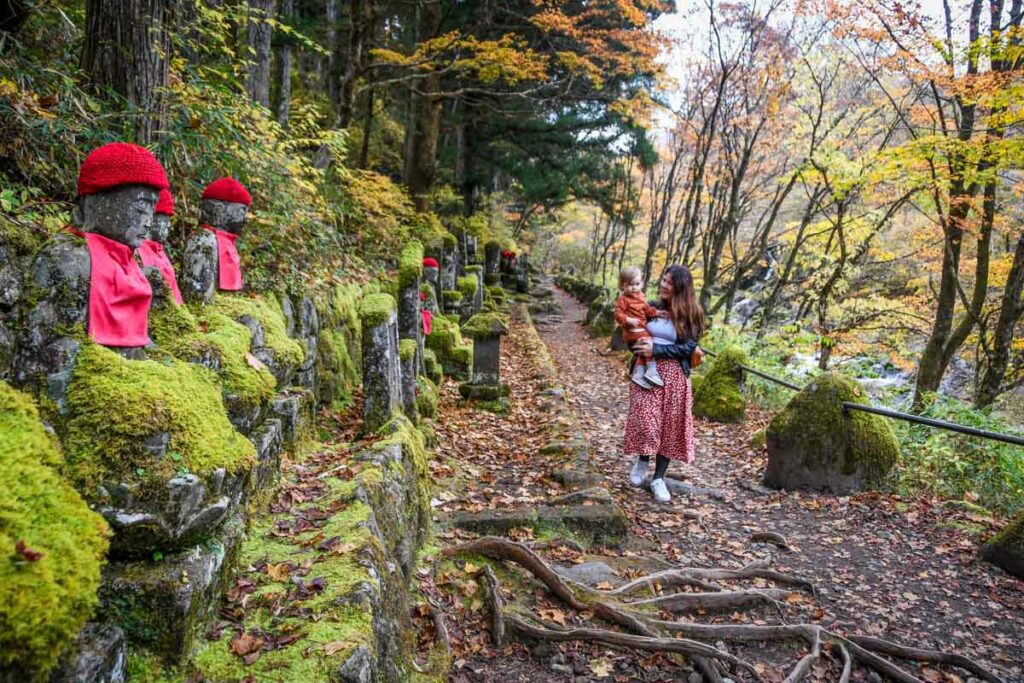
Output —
(425, 119)
(284, 69)
(125, 50)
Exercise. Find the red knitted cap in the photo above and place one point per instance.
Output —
(165, 204)
(120, 163)
(228, 190)
(430, 263)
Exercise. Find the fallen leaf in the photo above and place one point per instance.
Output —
(245, 644)
(336, 646)
(27, 553)
(279, 572)
(254, 362)
(601, 667)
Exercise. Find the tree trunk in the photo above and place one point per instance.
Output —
(284, 69)
(258, 40)
(353, 60)
(1010, 313)
(125, 50)
(333, 74)
(421, 158)
(364, 148)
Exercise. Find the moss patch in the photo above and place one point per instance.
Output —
(114, 404)
(811, 443)
(486, 324)
(718, 396)
(267, 312)
(376, 309)
(1006, 549)
(407, 349)
(185, 337)
(410, 265)
(427, 397)
(338, 344)
(453, 353)
(43, 602)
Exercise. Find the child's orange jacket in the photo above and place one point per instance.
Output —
(633, 306)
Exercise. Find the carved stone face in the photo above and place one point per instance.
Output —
(161, 228)
(227, 216)
(123, 214)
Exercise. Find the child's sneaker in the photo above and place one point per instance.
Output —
(638, 377)
(660, 491)
(652, 376)
(638, 474)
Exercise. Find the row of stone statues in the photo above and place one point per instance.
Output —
(103, 275)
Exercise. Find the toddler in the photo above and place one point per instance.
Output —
(632, 313)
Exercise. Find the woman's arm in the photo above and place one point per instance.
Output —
(678, 351)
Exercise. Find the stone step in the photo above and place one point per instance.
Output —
(602, 524)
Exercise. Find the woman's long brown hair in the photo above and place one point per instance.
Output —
(687, 315)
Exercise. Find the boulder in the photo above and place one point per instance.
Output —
(813, 445)
(718, 394)
(1006, 549)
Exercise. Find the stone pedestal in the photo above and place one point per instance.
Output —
(478, 294)
(471, 249)
(492, 263)
(410, 320)
(523, 274)
(407, 359)
(486, 330)
(382, 380)
(449, 264)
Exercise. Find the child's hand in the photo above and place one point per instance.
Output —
(632, 323)
(662, 315)
(637, 330)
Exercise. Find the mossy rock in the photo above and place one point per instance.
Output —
(176, 331)
(286, 351)
(339, 344)
(427, 397)
(467, 285)
(486, 325)
(451, 297)
(46, 598)
(719, 397)
(376, 309)
(757, 439)
(115, 404)
(407, 349)
(1006, 549)
(813, 445)
(434, 371)
(410, 265)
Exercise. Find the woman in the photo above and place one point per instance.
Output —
(660, 422)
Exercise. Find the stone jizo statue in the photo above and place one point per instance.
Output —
(151, 251)
(89, 276)
(211, 257)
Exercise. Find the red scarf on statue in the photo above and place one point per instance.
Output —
(152, 254)
(229, 265)
(119, 294)
(427, 315)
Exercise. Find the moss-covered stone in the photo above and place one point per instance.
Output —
(453, 353)
(407, 349)
(486, 324)
(757, 439)
(115, 404)
(483, 392)
(450, 241)
(474, 268)
(410, 264)
(267, 312)
(432, 366)
(719, 397)
(813, 445)
(427, 397)
(338, 344)
(1006, 549)
(176, 331)
(376, 309)
(451, 297)
(44, 599)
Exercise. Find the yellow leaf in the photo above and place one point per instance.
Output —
(336, 647)
(794, 598)
(278, 572)
(601, 667)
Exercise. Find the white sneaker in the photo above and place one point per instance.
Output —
(660, 490)
(652, 375)
(638, 475)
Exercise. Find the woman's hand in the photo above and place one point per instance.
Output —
(698, 357)
(643, 347)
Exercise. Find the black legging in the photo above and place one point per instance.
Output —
(660, 465)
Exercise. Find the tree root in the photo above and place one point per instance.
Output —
(681, 646)
(646, 631)
(492, 589)
(437, 616)
(775, 539)
(929, 656)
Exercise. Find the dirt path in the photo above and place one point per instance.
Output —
(887, 567)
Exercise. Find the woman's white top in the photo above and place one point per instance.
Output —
(662, 330)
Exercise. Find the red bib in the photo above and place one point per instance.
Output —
(428, 320)
(229, 266)
(152, 254)
(119, 294)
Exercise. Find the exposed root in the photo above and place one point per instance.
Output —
(918, 655)
(771, 537)
(645, 632)
(679, 603)
(440, 629)
(650, 644)
(555, 542)
(492, 590)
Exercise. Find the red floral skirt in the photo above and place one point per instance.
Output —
(660, 421)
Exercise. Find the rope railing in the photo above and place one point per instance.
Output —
(894, 414)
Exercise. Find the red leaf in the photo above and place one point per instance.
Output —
(27, 553)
